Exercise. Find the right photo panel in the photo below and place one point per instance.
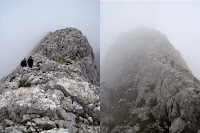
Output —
(150, 66)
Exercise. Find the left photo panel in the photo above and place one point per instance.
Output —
(50, 66)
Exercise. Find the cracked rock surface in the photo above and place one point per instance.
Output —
(59, 94)
(155, 90)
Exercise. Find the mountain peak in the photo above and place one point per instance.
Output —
(153, 90)
(60, 91)
(141, 43)
(65, 45)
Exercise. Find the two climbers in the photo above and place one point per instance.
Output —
(30, 62)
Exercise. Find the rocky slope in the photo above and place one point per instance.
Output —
(155, 91)
(59, 94)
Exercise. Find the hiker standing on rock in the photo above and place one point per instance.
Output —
(30, 62)
(23, 63)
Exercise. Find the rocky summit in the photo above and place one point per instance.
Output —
(153, 91)
(59, 94)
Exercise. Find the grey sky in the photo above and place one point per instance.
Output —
(179, 21)
(24, 22)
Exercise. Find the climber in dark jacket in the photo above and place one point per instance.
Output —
(23, 63)
(30, 62)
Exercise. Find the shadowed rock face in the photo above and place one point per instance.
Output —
(156, 92)
(59, 94)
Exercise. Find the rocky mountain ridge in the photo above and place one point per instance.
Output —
(156, 92)
(59, 94)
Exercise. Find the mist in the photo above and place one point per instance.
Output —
(179, 21)
(24, 23)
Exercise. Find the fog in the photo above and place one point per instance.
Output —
(23, 23)
(179, 21)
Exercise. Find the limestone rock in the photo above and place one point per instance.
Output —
(152, 89)
(61, 130)
(44, 122)
(52, 95)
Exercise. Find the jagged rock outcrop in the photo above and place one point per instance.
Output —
(155, 91)
(59, 94)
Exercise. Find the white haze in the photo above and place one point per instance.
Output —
(24, 22)
(179, 21)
